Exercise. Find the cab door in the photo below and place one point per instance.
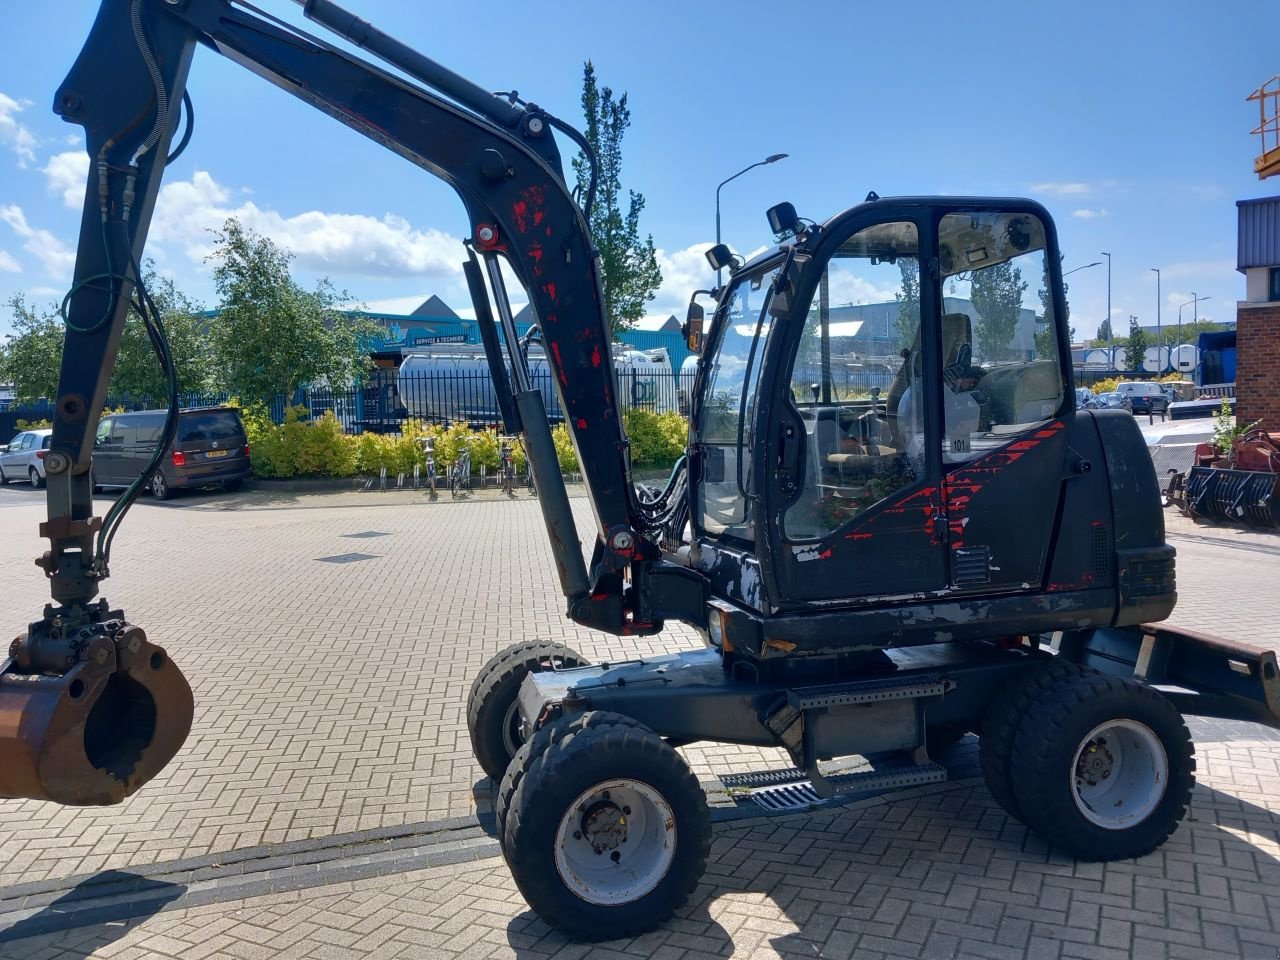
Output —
(851, 472)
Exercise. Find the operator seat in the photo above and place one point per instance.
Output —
(957, 339)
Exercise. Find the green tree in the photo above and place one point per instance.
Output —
(1135, 350)
(907, 322)
(271, 336)
(996, 293)
(628, 265)
(31, 357)
(1104, 332)
(1190, 332)
(138, 373)
(1045, 336)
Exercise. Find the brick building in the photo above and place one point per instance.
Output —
(1258, 314)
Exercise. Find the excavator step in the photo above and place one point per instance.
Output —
(865, 691)
(840, 778)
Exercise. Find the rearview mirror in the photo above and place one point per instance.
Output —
(693, 327)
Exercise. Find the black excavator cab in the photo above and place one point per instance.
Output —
(885, 448)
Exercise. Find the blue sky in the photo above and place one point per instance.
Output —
(1128, 120)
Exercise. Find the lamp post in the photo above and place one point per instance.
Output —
(1084, 267)
(772, 158)
(1159, 365)
(1193, 302)
(1108, 256)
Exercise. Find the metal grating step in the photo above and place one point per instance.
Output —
(865, 691)
(790, 796)
(763, 778)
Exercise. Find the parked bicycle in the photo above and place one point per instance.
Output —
(460, 475)
(429, 467)
(507, 466)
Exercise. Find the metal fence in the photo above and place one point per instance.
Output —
(439, 396)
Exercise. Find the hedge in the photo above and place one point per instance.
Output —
(319, 448)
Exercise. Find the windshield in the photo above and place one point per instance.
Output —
(741, 326)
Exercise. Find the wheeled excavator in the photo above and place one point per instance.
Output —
(892, 526)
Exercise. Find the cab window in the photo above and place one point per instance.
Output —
(855, 380)
(1001, 371)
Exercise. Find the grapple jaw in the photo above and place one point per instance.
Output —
(88, 714)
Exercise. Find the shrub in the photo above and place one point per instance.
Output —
(31, 425)
(565, 454)
(1105, 386)
(657, 439)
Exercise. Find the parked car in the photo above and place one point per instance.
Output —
(23, 459)
(210, 448)
(1110, 401)
(1083, 396)
(1144, 396)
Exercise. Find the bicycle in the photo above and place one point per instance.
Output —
(508, 467)
(460, 474)
(429, 455)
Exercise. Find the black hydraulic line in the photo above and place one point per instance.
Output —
(492, 348)
(433, 74)
(553, 498)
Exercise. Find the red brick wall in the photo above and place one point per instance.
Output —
(1258, 366)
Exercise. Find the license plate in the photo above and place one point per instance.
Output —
(215, 454)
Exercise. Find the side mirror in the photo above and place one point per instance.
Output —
(693, 327)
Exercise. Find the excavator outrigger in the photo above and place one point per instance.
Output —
(882, 549)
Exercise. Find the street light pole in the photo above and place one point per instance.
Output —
(773, 158)
(1190, 303)
(1108, 256)
(1159, 337)
(1084, 267)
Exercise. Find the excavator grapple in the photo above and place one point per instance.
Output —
(90, 715)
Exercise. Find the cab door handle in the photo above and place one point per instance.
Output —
(789, 457)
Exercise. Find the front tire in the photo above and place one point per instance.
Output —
(608, 833)
(493, 715)
(4, 481)
(1104, 767)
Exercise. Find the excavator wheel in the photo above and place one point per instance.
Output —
(1103, 767)
(1001, 724)
(608, 832)
(493, 715)
(534, 747)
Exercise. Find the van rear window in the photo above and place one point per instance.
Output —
(209, 425)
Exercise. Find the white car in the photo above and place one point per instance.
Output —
(24, 459)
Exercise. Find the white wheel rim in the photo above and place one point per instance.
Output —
(1119, 774)
(511, 738)
(616, 842)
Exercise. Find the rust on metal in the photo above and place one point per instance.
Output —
(94, 734)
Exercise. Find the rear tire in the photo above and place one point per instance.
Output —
(493, 715)
(4, 481)
(33, 475)
(1104, 767)
(1001, 724)
(159, 487)
(608, 833)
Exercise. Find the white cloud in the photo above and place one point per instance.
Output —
(57, 258)
(7, 263)
(1068, 189)
(683, 271)
(340, 243)
(1086, 214)
(18, 138)
(66, 172)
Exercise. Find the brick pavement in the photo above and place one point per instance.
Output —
(330, 697)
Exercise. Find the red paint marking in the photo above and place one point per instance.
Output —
(857, 536)
(595, 357)
(582, 424)
(551, 291)
(537, 218)
(825, 554)
(555, 348)
(520, 210)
